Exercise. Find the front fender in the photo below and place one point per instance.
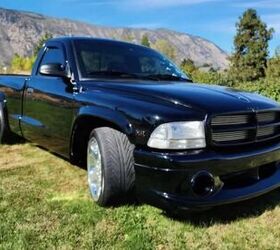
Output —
(112, 116)
(108, 117)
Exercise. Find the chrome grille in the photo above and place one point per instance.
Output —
(230, 136)
(267, 117)
(266, 131)
(230, 120)
(236, 129)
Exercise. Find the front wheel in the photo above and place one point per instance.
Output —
(110, 165)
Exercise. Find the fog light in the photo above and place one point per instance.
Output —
(203, 184)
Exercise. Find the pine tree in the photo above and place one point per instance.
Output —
(249, 60)
(145, 41)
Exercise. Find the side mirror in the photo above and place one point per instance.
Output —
(53, 69)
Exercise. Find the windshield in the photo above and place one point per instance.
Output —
(111, 59)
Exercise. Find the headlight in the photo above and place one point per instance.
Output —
(178, 135)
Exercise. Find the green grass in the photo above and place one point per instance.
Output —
(44, 203)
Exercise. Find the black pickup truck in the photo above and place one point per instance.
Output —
(142, 127)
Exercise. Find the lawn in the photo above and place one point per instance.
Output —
(44, 203)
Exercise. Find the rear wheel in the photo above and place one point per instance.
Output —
(110, 166)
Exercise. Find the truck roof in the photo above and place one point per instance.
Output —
(67, 39)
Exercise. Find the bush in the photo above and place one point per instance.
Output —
(22, 64)
(219, 78)
(266, 87)
(273, 68)
(269, 86)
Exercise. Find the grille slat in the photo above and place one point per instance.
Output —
(230, 136)
(245, 128)
(266, 131)
(230, 120)
(266, 117)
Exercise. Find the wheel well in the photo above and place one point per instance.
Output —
(80, 135)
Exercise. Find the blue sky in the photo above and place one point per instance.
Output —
(211, 19)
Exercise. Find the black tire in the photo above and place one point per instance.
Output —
(117, 160)
(4, 128)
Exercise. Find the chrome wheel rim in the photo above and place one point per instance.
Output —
(94, 167)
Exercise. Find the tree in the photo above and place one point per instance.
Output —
(188, 67)
(273, 68)
(41, 42)
(16, 63)
(22, 64)
(165, 48)
(145, 41)
(249, 59)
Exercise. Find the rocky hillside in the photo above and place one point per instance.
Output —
(19, 32)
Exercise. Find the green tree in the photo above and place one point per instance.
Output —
(273, 68)
(41, 42)
(188, 67)
(165, 48)
(249, 59)
(16, 63)
(28, 63)
(145, 41)
(22, 64)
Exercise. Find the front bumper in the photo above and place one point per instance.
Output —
(164, 179)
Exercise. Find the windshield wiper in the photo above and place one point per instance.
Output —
(114, 73)
(168, 77)
(156, 77)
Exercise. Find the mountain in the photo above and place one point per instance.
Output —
(20, 31)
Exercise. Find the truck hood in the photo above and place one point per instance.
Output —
(207, 98)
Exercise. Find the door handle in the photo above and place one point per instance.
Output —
(29, 91)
